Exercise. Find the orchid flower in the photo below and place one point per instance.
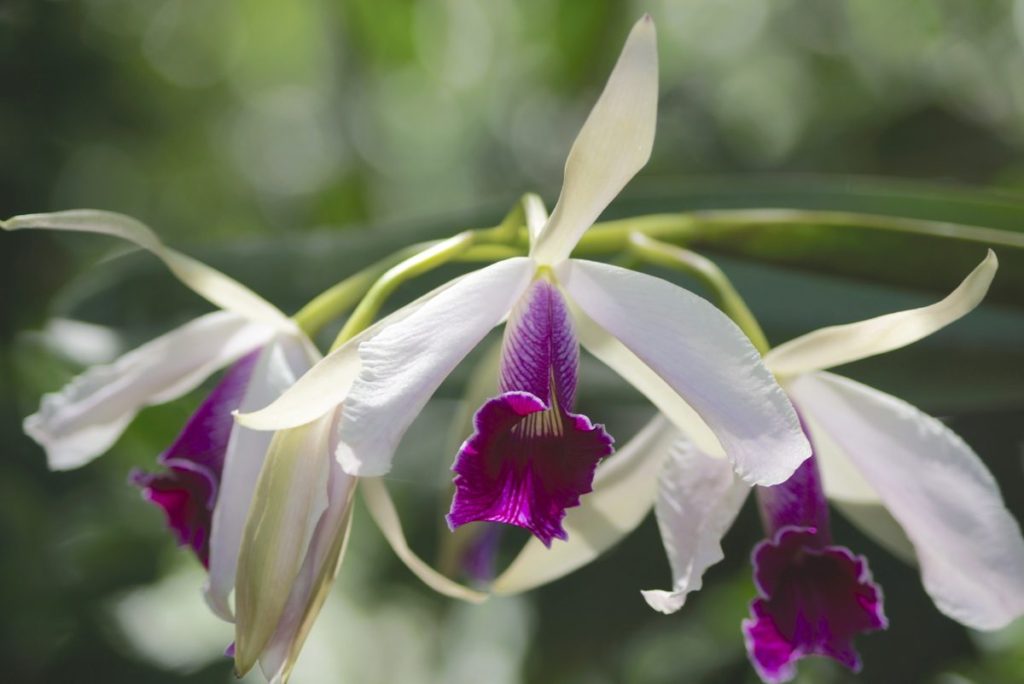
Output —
(910, 481)
(531, 457)
(210, 472)
(902, 476)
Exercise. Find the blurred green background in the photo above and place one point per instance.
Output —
(289, 143)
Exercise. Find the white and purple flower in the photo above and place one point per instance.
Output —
(530, 457)
(813, 595)
(902, 476)
(211, 471)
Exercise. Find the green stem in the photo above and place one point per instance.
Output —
(714, 223)
(612, 237)
(708, 273)
(341, 297)
(418, 264)
(335, 301)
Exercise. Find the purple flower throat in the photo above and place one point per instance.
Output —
(530, 458)
(813, 597)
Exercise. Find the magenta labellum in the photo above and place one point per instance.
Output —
(187, 488)
(530, 458)
(813, 597)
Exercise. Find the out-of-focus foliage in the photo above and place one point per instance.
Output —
(264, 136)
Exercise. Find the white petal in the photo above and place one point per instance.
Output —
(382, 510)
(86, 417)
(848, 491)
(290, 497)
(401, 366)
(698, 500)
(968, 545)
(839, 344)
(616, 356)
(84, 344)
(280, 363)
(207, 282)
(624, 491)
(312, 584)
(703, 357)
(327, 384)
(877, 522)
(614, 143)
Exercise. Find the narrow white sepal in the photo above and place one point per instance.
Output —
(703, 356)
(624, 489)
(698, 500)
(222, 291)
(840, 344)
(86, 417)
(968, 545)
(613, 145)
(382, 510)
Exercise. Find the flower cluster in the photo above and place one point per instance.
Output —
(260, 482)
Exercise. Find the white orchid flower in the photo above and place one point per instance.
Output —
(902, 476)
(209, 474)
(531, 457)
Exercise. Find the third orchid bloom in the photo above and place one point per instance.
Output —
(902, 475)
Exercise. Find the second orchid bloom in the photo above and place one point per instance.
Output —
(531, 457)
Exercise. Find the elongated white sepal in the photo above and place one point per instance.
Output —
(839, 344)
(207, 282)
(613, 145)
(699, 497)
(382, 510)
(624, 491)
(701, 354)
(83, 419)
(280, 363)
(290, 497)
(969, 547)
(402, 365)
